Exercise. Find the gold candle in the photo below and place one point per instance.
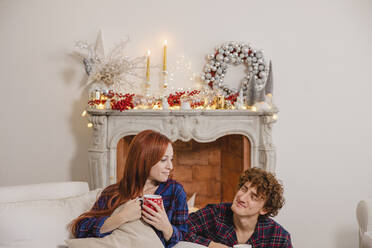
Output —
(165, 56)
(148, 66)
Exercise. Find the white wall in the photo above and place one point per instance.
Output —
(321, 54)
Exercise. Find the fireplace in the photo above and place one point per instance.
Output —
(211, 170)
(211, 147)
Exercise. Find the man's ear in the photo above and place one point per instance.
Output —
(263, 211)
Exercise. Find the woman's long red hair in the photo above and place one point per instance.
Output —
(145, 150)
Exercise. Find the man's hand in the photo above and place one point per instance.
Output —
(217, 245)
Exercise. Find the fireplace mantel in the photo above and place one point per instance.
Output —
(202, 126)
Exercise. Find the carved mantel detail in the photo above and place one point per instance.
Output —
(202, 126)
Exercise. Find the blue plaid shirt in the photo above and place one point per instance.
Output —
(174, 199)
(215, 223)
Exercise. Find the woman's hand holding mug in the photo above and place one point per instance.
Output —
(131, 211)
(153, 213)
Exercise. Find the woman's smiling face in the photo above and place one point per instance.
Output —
(161, 170)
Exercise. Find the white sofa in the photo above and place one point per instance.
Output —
(364, 217)
(37, 215)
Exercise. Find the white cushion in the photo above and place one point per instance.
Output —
(129, 235)
(41, 223)
(366, 240)
(42, 191)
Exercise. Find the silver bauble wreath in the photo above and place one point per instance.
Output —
(235, 53)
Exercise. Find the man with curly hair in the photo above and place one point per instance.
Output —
(247, 219)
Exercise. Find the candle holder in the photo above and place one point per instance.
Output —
(164, 103)
(164, 80)
(146, 88)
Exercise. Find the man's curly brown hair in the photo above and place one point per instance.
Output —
(268, 189)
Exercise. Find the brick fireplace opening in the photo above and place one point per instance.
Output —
(211, 170)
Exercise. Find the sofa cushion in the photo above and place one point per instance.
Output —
(131, 234)
(42, 191)
(41, 223)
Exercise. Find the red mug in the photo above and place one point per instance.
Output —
(154, 198)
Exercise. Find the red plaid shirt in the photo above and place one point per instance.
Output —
(215, 223)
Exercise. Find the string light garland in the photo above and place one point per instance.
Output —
(111, 71)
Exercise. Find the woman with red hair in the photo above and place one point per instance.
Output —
(146, 171)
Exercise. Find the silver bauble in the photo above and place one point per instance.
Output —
(262, 74)
(226, 59)
(219, 57)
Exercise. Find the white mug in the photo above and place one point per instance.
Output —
(242, 246)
